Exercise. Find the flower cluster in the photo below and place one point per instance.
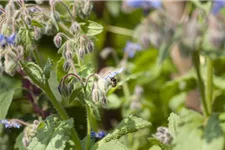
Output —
(217, 6)
(98, 135)
(10, 123)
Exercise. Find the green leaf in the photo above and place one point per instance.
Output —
(112, 145)
(34, 72)
(60, 72)
(19, 144)
(26, 39)
(113, 102)
(213, 134)
(94, 110)
(36, 23)
(52, 134)
(174, 120)
(94, 28)
(128, 125)
(75, 93)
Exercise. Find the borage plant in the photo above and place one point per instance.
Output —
(22, 25)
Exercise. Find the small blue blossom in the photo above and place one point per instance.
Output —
(98, 135)
(113, 74)
(145, 4)
(11, 39)
(10, 123)
(131, 48)
(217, 6)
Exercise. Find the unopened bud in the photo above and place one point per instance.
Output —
(67, 54)
(20, 50)
(37, 33)
(39, 1)
(66, 66)
(81, 52)
(90, 47)
(28, 20)
(95, 95)
(102, 85)
(75, 27)
(58, 40)
(87, 9)
(10, 67)
(9, 9)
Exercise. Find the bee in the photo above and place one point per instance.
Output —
(113, 81)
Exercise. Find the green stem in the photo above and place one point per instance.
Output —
(88, 127)
(196, 62)
(209, 84)
(62, 113)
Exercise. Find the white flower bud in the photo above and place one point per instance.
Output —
(58, 40)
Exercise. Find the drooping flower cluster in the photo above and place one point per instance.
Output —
(10, 123)
(98, 135)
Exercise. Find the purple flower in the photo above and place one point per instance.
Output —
(145, 4)
(131, 48)
(113, 74)
(217, 5)
(10, 123)
(11, 39)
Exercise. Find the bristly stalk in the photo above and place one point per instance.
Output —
(209, 84)
(196, 61)
(88, 127)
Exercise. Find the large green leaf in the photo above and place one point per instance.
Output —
(213, 134)
(174, 120)
(128, 125)
(51, 134)
(19, 144)
(114, 144)
(34, 72)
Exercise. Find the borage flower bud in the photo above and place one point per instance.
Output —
(90, 46)
(75, 27)
(9, 9)
(10, 67)
(66, 66)
(95, 95)
(81, 52)
(102, 85)
(67, 54)
(20, 50)
(58, 40)
(28, 20)
(39, 1)
(37, 33)
(87, 8)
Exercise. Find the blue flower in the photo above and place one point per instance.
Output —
(145, 4)
(11, 39)
(131, 48)
(113, 74)
(98, 135)
(10, 123)
(217, 5)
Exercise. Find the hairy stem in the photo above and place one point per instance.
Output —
(88, 127)
(209, 84)
(196, 62)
